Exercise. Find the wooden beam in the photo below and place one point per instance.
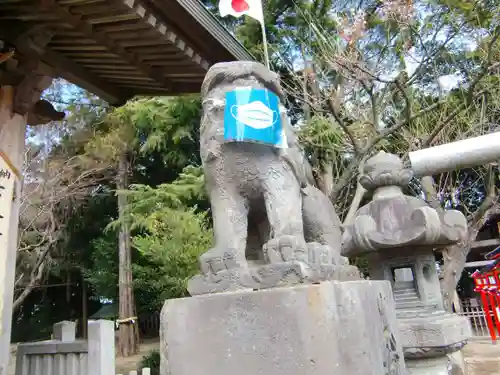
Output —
(43, 112)
(112, 67)
(493, 242)
(114, 29)
(166, 33)
(77, 47)
(30, 42)
(84, 78)
(126, 77)
(161, 57)
(51, 6)
(127, 70)
(182, 88)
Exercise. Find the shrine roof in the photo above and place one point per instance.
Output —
(120, 48)
(494, 254)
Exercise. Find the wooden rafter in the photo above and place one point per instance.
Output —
(120, 48)
(166, 33)
(75, 73)
(51, 6)
(32, 44)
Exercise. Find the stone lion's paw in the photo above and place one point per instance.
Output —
(285, 248)
(216, 260)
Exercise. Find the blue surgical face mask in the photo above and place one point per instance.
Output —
(256, 115)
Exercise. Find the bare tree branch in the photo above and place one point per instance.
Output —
(344, 127)
(364, 154)
(485, 67)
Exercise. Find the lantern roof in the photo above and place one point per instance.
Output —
(394, 220)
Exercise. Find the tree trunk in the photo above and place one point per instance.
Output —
(430, 192)
(128, 335)
(356, 203)
(324, 179)
(35, 278)
(68, 287)
(85, 318)
(454, 257)
(305, 78)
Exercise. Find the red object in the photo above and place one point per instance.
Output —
(487, 282)
(239, 5)
(481, 288)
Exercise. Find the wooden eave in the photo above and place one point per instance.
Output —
(121, 48)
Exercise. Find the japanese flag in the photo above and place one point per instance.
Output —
(238, 8)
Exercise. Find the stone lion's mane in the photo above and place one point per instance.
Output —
(219, 73)
(228, 73)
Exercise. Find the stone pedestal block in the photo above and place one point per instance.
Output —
(438, 334)
(430, 366)
(343, 328)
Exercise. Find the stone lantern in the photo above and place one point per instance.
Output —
(398, 234)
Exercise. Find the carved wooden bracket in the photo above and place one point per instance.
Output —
(34, 40)
(32, 77)
(27, 100)
(43, 112)
(28, 92)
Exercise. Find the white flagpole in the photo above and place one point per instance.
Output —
(264, 43)
(254, 9)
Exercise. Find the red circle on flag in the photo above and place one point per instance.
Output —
(239, 5)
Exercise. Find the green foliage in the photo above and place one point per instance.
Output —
(174, 242)
(161, 135)
(183, 192)
(168, 121)
(362, 264)
(324, 142)
(103, 272)
(152, 360)
(171, 235)
(168, 238)
(150, 288)
(146, 125)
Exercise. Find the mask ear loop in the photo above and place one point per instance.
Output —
(283, 120)
(211, 103)
(214, 102)
(240, 127)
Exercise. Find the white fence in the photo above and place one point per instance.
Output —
(473, 310)
(65, 355)
(144, 371)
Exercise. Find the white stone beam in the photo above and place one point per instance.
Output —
(456, 155)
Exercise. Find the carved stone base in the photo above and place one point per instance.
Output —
(434, 336)
(321, 329)
(430, 366)
(269, 276)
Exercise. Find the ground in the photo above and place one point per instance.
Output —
(482, 358)
(124, 365)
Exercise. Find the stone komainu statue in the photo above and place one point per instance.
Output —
(266, 209)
